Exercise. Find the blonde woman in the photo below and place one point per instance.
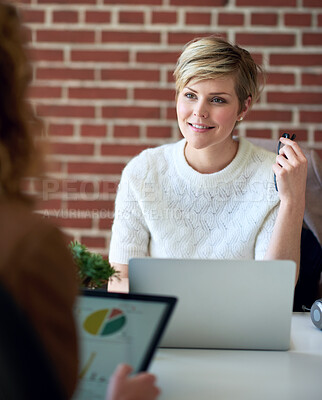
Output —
(211, 195)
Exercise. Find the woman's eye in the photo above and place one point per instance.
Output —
(218, 100)
(189, 95)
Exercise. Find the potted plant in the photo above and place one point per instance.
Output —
(92, 269)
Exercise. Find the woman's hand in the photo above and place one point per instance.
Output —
(291, 171)
(138, 387)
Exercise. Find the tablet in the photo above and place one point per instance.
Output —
(116, 328)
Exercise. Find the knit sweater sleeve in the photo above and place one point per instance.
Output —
(264, 234)
(130, 234)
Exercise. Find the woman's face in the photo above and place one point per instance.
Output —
(207, 111)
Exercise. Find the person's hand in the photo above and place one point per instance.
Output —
(138, 387)
(291, 171)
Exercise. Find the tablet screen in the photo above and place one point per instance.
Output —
(111, 331)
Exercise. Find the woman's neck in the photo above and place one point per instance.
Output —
(211, 159)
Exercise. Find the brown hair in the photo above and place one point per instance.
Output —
(212, 57)
(18, 155)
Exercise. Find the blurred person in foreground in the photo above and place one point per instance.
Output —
(36, 267)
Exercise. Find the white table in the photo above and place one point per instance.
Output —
(186, 374)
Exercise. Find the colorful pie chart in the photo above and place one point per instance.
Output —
(105, 322)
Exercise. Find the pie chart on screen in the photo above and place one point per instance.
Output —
(105, 322)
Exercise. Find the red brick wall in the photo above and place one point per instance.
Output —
(103, 82)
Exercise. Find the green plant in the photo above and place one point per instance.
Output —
(93, 270)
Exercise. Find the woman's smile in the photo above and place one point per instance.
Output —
(200, 127)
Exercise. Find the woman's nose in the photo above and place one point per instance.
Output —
(201, 111)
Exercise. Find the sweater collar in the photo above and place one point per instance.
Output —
(231, 172)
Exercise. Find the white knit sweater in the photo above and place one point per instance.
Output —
(165, 208)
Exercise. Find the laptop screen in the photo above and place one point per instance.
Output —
(113, 329)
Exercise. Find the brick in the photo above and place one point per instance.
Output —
(170, 77)
(90, 205)
(61, 130)
(137, 2)
(154, 94)
(265, 19)
(312, 79)
(99, 56)
(26, 33)
(299, 19)
(280, 78)
(159, 131)
(318, 136)
(164, 17)
(93, 130)
(33, 16)
(53, 204)
(45, 55)
(264, 3)
(184, 37)
(82, 149)
(65, 36)
(319, 152)
(312, 39)
(131, 75)
(312, 3)
(197, 18)
(121, 150)
(158, 57)
(93, 242)
(130, 37)
(260, 133)
(64, 73)
(265, 39)
(131, 112)
(199, 3)
(126, 131)
(80, 223)
(304, 59)
(131, 17)
(98, 17)
(44, 92)
(105, 224)
(97, 93)
(69, 2)
(96, 168)
(231, 19)
(294, 97)
(311, 116)
(66, 111)
(65, 16)
(269, 115)
(84, 189)
(301, 134)
(320, 20)
(108, 187)
(171, 113)
(54, 167)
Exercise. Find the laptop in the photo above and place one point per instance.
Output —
(116, 328)
(223, 304)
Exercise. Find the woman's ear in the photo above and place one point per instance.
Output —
(247, 105)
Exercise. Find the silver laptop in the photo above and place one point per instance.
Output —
(116, 328)
(230, 304)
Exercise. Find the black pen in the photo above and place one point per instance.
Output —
(286, 136)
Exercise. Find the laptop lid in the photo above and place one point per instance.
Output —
(234, 304)
(116, 328)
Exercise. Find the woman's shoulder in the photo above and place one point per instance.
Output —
(22, 227)
(151, 159)
(258, 154)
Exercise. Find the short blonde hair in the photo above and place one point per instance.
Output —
(213, 57)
